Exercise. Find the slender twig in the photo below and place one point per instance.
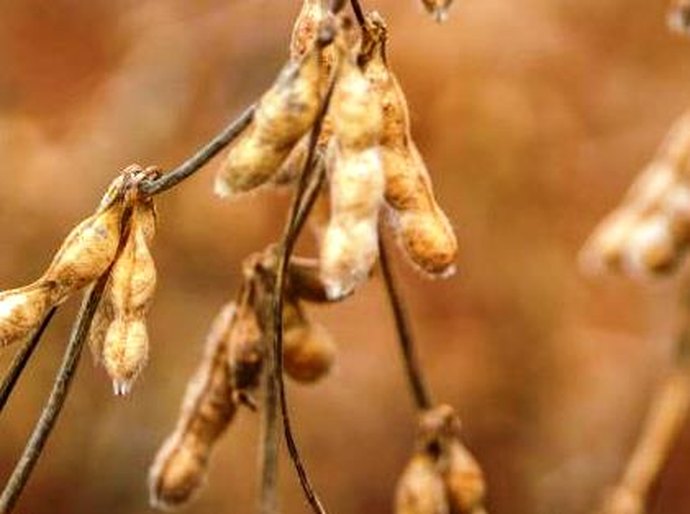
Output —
(201, 158)
(359, 12)
(56, 400)
(310, 181)
(415, 376)
(21, 359)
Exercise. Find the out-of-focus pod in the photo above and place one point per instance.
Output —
(179, 470)
(308, 348)
(421, 489)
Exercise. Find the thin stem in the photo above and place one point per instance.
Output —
(20, 476)
(21, 359)
(201, 158)
(311, 179)
(415, 376)
(359, 12)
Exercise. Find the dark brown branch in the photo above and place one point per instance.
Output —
(359, 12)
(402, 325)
(21, 359)
(15, 485)
(201, 158)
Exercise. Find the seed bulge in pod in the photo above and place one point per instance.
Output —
(464, 479)
(22, 311)
(308, 348)
(650, 248)
(126, 345)
(421, 489)
(179, 470)
(355, 112)
(87, 252)
(283, 116)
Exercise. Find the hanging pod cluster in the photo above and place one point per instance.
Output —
(442, 477)
(649, 232)
(229, 374)
(366, 143)
(115, 239)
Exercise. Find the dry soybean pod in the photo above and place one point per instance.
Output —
(283, 116)
(86, 254)
(422, 227)
(180, 468)
(133, 283)
(421, 489)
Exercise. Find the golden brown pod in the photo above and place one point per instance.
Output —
(105, 314)
(355, 112)
(421, 489)
(85, 255)
(422, 227)
(308, 348)
(306, 27)
(350, 244)
(304, 280)
(464, 480)
(180, 467)
(87, 252)
(283, 116)
(133, 283)
(22, 311)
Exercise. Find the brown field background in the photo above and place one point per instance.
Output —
(533, 117)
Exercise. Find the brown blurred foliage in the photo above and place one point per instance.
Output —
(533, 117)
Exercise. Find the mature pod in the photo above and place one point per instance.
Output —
(350, 244)
(87, 252)
(306, 27)
(422, 227)
(85, 255)
(133, 283)
(650, 230)
(438, 8)
(22, 311)
(421, 489)
(246, 350)
(283, 116)
(464, 480)
(308, 349)
(180, 467)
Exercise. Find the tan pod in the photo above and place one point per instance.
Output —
(421, 226)
(421, 489)
(180, 467)
(131, 289)
(283, 116)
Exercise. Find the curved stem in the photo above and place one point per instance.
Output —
(415, 376)
(20, 476)
(201, 158)
(21, 359)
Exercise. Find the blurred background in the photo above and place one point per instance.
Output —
(533, 117)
